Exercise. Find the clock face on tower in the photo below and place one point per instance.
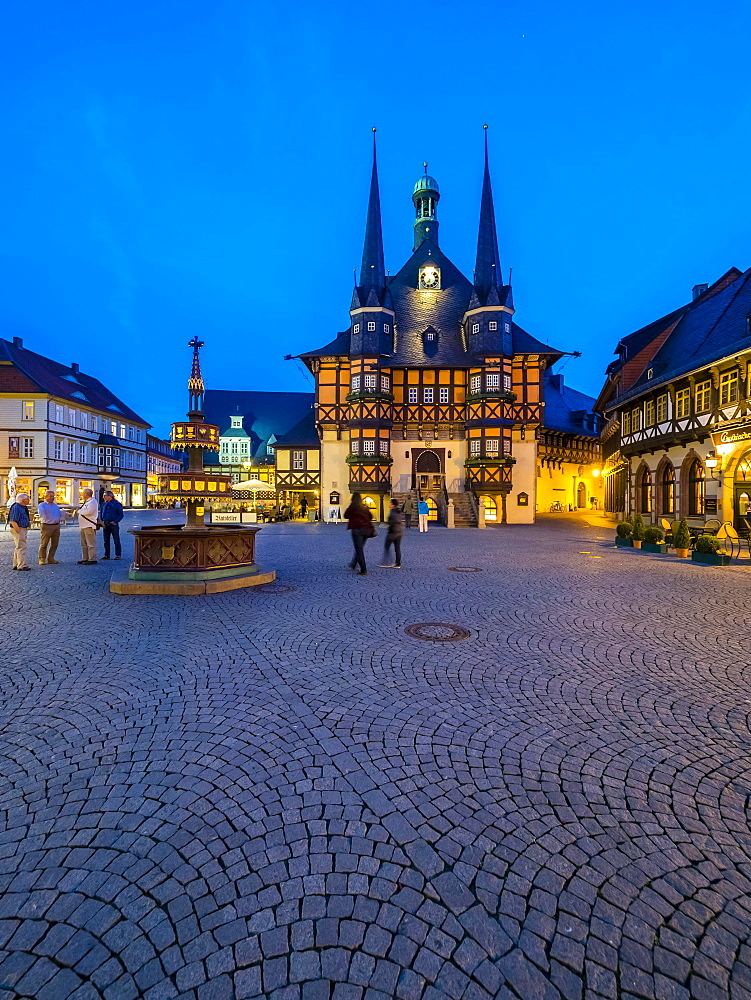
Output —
(430, 277)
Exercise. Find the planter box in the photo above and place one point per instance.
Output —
(625, 543)
(710, 558)
(654, 547)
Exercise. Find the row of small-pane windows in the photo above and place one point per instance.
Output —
(371, 327)
(298, 460)
(384, 446)
(728, 388)
(492, 326)
(702, 403)
(428, 394)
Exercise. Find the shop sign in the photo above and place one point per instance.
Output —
(228, 518)
(742, 433)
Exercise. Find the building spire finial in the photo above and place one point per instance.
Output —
(195, 381)
(488, 263)
(372, 269)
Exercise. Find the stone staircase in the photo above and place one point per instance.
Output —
(465, 515)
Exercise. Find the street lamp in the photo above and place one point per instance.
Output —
(712, 462)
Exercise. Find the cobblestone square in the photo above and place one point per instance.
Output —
(281, 793)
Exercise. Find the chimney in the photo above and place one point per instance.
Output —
(18, 342)
(74, 367)
(699, 290)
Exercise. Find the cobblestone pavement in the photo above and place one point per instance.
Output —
(280, 793)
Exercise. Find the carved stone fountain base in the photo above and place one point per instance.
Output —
(192, 560)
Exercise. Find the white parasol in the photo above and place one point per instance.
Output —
(250, 486)
(12, 478)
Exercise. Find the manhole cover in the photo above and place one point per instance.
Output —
(437, 632)
(276, 588)
(465, 569)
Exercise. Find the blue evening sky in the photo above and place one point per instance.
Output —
(179, 167)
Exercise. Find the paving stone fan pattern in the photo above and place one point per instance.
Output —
(281, 794)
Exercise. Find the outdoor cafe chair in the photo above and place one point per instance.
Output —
(734, 539)
(712, 527)
(668, 529)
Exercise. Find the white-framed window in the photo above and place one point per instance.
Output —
(412, 394)
(356, 328)
(430, 335)
(71, 451)
(427, 394)
(474, 446)
(507, 383)
(368, 446)
(122, 430)
(474, 383)
(493, 325)
(475, 328)
(507, 446)
(113, 428)
(298, 460)
(371, 326)
(507, 327)
(703, 396)
(387, 328)
(354, 446)
(370, 382)
(84, 420)
(491, 446)
(384, 445)
(58, 413)
(443, 394)
(270, 450)
(82, 454)
(493, 380)
(662, 408)
(682, 403)
(27, 409)
(728, 388)
(58, 448)
(27, 447)
(355, 383)
(385, 383)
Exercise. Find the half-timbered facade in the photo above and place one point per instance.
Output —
(433, 387)
(677, 442)
(298, 460)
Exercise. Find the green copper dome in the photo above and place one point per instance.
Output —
(426, 183)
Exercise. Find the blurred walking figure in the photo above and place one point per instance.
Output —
(422, 515)
(50, 519)
(360, 523)
(87, 515)
(409, 510)
(19, 520)
(394, 537)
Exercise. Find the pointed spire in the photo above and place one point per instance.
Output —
(372, 270)
(488, 265)
(195, 381)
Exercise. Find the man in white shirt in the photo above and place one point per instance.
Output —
(50, 519)
(87, 515)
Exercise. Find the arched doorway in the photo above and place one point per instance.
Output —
(644, 490)
(428, 472)
(581, 496)
(696, 485)
(491, 508)
(742, 494)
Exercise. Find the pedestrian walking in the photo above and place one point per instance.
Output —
(87, 515)
(360, 523)
(111, 514)
(409, 510)
(394, 534)
(50, 519)
(19, 521)
(422, 515)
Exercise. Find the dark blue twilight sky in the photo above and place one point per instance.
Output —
(179, 167)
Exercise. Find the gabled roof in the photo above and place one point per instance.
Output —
(24, 371)
(712, 328)
(302, 435)
(567, 410)
(266, 414)
(525, 343)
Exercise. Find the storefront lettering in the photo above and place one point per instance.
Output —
(730, 437)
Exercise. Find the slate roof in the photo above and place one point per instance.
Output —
(24, 371)
(568, 410)
(302, 435)
(710, 330)
(266, 415)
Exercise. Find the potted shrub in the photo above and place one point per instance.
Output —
(623, 534)
(637, 532)
(707, 550)
(653, 541)
(682, 540)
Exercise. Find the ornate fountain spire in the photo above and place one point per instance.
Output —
(195, 383)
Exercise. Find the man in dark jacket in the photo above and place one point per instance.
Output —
(394, 537)
(111, 514)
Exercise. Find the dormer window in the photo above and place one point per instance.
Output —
(650, 372)
(430, 335)
(492, 325)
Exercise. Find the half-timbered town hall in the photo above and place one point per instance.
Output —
(434, 388)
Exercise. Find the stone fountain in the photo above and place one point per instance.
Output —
(193, 558)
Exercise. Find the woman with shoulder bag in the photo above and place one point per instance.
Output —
(360, 523)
